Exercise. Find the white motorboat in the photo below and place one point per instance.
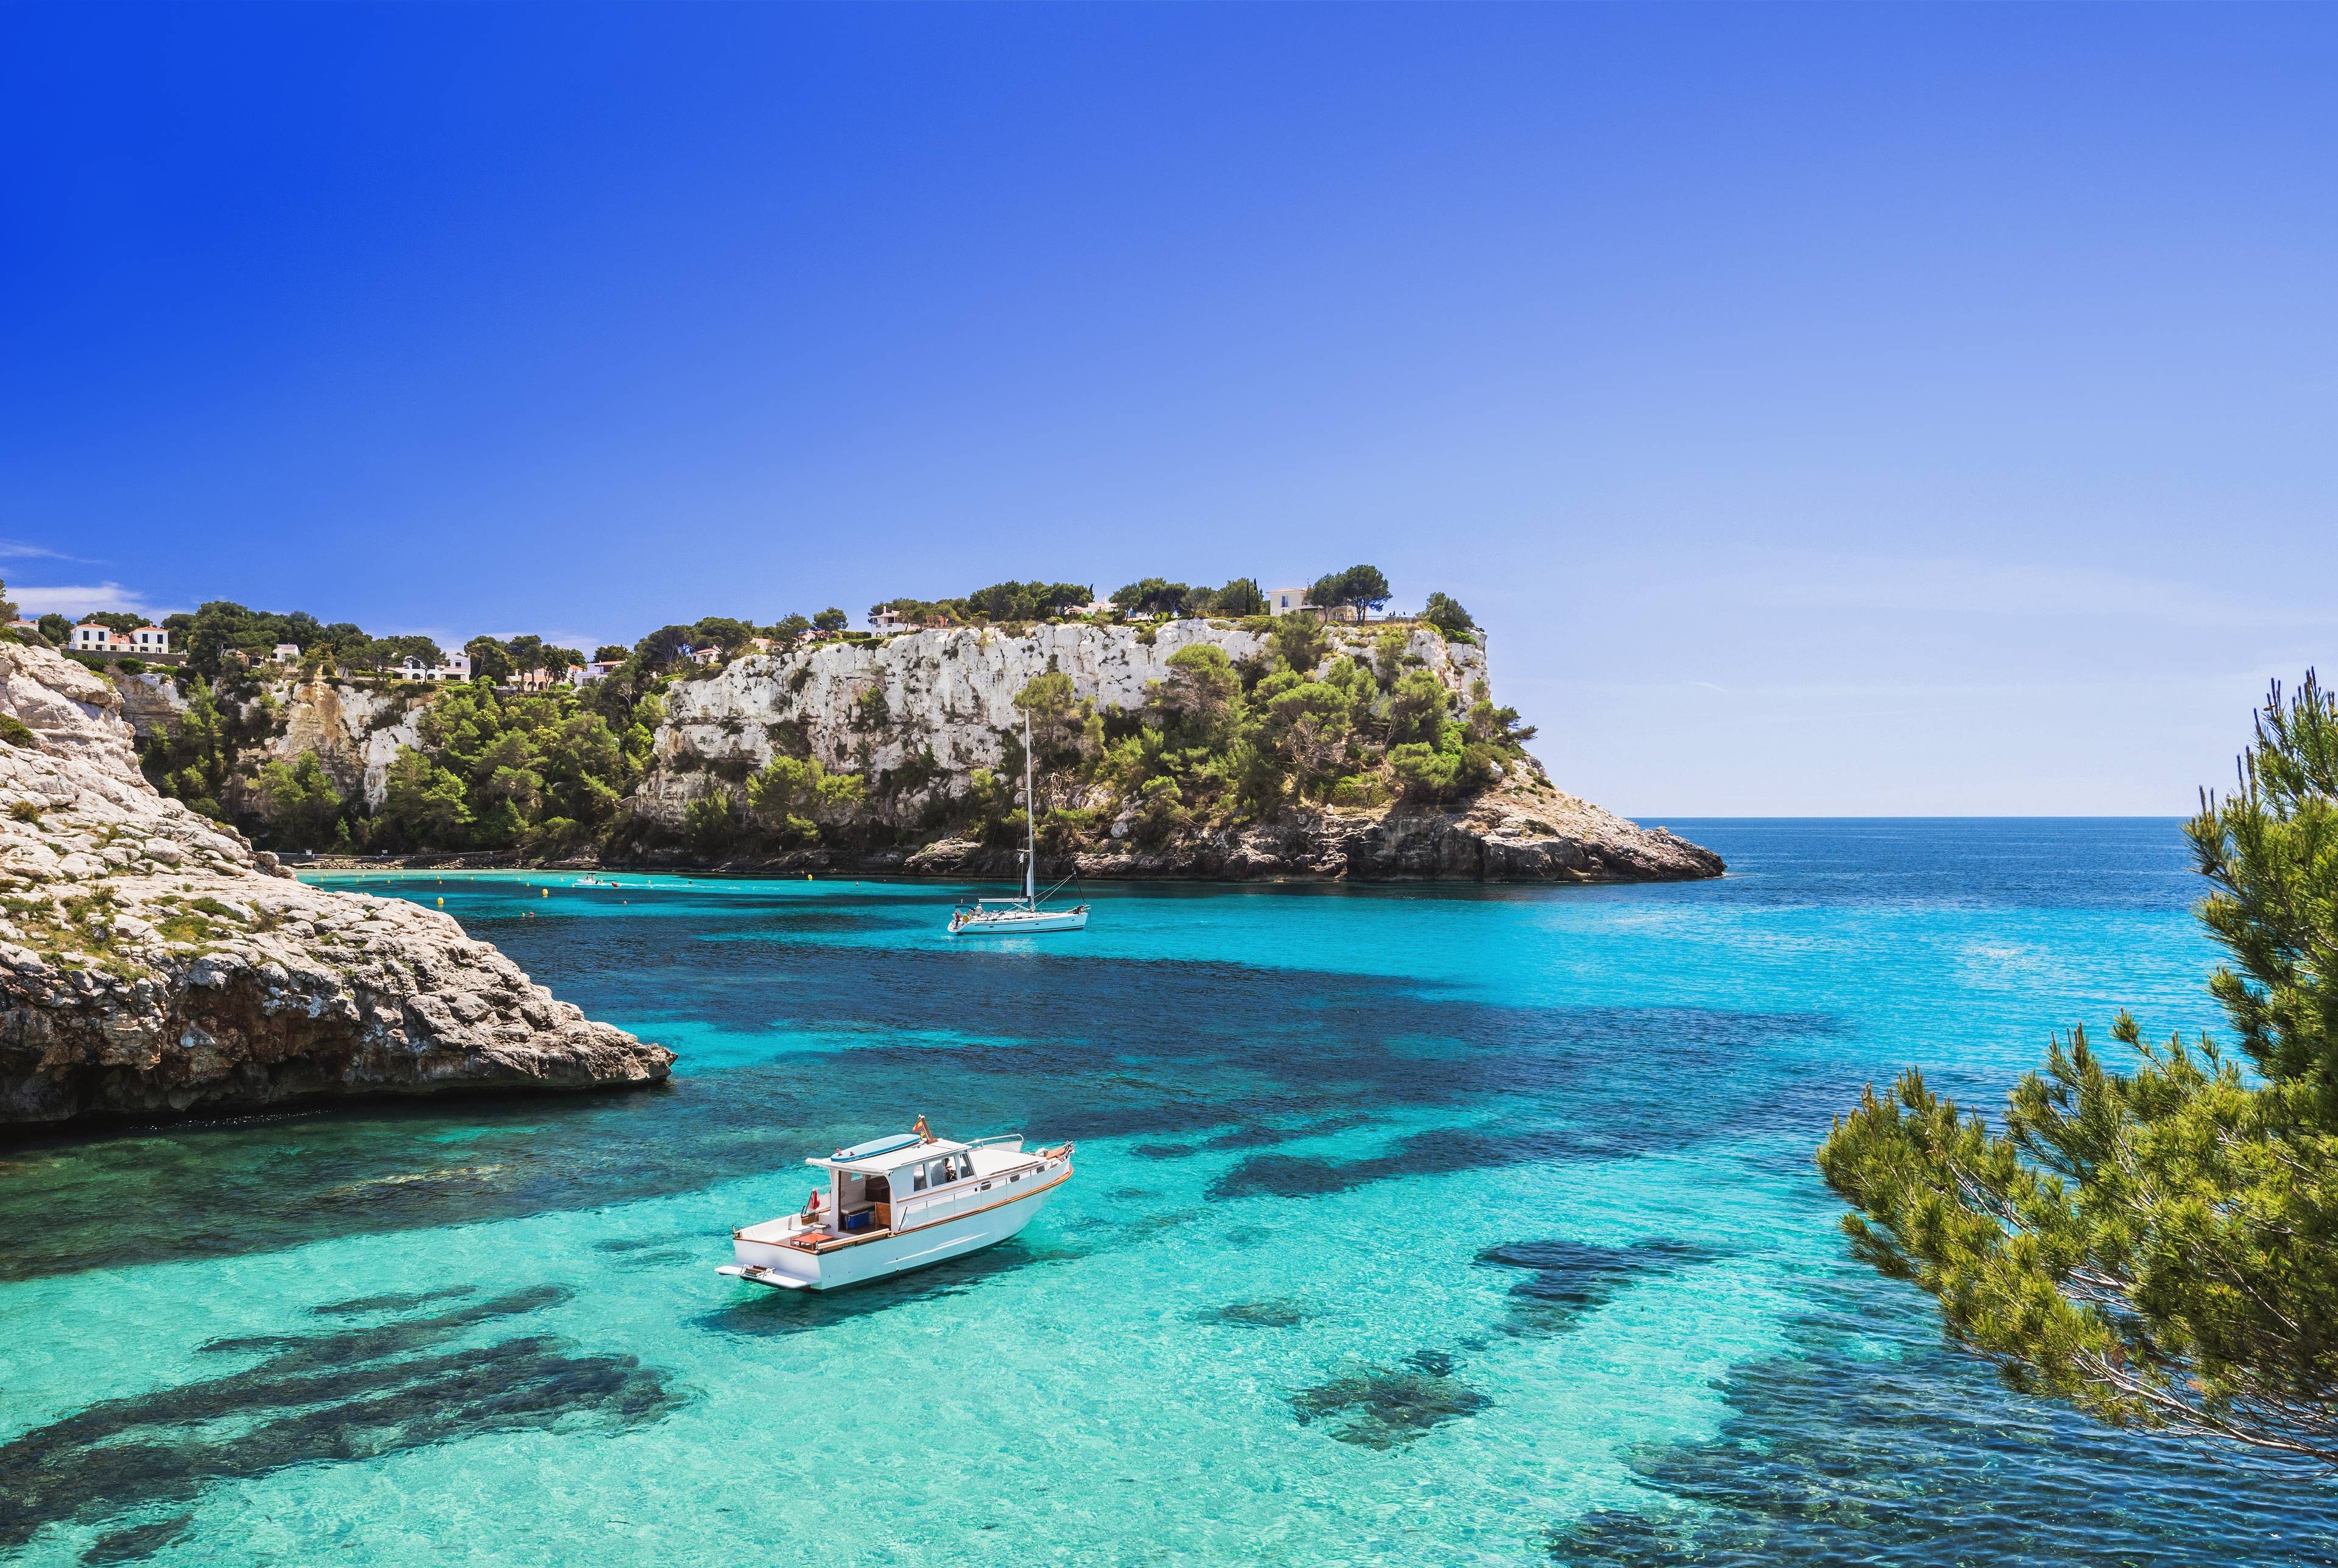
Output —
(1020, 916)
(589, 880)
(897, 1204)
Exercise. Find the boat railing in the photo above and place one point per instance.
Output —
(1001, 1138)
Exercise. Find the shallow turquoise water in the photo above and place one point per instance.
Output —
(1411, 1227)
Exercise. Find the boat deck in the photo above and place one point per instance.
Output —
(1011, 1179)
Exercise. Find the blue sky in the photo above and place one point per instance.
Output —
(1833, 410)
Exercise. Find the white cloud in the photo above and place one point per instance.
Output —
(17, 550)
(87, 598)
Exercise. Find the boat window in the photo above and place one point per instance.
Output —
(917, 1181)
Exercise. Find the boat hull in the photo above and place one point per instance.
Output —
(1023, 925)
(786, 1267)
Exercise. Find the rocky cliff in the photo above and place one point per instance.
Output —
(152, 964)
(355, 730)
(931, 707)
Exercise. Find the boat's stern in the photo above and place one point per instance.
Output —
(774, 1253)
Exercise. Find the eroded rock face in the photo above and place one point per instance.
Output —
(1529, 832)
(355, 732)
(949, 692)
(953, 693)
(152, 964)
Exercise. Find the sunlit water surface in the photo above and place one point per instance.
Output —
(1411, 1226)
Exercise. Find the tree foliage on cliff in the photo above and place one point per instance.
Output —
(195, 761)
(1000, 601)
(496, 770)
(2159, 1248)
(1313, 721)
(222, 637)
(794, 796)
(1360, 590)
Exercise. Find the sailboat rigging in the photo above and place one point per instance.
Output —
(1020, 916)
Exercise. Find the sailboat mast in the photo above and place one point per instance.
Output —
(1030, 823)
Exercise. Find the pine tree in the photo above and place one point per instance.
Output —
(2159, 1249)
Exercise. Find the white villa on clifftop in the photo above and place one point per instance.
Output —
(583, 675)
(92, 638)
(456, 668)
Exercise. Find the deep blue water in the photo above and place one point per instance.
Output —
(1412, 1226)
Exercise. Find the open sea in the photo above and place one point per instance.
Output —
(1411, 1226)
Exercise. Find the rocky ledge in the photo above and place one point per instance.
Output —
(152, 965)
(1530, 833)
(1525, 832)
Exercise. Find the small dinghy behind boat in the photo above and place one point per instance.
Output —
(899, 1203)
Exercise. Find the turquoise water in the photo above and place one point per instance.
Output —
(1452, 1227)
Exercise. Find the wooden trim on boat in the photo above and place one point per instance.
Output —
(842, 1242)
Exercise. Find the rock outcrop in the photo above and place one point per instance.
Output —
(876, 707)
(940, 704)
(355, 732)
(152, 964)
(1523, 833)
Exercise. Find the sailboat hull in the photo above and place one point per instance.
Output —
(1021, 923)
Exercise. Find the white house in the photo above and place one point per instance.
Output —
(885, 619)
(1284, 601)
(456, 668)
(706, 655)
(89, 637)
(583, 675)
(287, 654)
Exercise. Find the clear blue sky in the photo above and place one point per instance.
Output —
(1868, 410)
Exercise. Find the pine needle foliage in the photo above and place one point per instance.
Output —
(2159, 1248)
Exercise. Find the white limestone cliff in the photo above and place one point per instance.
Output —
(151, 963)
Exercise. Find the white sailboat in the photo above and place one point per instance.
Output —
(1020, 916)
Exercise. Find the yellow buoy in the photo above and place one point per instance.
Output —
(442, 903)
(545, 893)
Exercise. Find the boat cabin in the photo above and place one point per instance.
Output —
(904, 1182)
(867, 1180)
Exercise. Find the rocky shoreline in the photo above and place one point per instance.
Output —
(1499, 839)
(153, 965)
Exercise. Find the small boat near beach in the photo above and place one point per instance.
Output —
(897, 1204)
(590, 880)
(1018, 916)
